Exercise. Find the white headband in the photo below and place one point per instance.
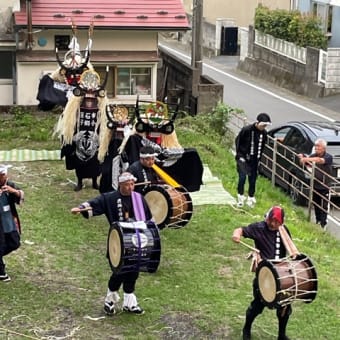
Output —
(126, 176)
(4, 168)
(146, 155)
(264, 123)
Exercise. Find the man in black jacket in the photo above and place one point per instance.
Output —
(323, 171)
(249, 147)
(10, 227)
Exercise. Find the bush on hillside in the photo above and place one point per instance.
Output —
(215, 124)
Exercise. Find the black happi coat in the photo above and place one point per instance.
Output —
(82, 154)
(250, 142)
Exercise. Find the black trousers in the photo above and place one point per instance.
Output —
(247, 170)
(320, 200)
(128, 280)
(256, 307)
(8, 243)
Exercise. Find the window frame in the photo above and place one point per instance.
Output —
(7, 69)
(60, 44)
(129, 86)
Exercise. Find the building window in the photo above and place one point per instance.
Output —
(329, 19)
(133, 81)
(325, 14)
(7, 62)
(126, 81)
(61, 42)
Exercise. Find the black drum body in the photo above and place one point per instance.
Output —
(134, 246)
(170, 207)
(285, 281)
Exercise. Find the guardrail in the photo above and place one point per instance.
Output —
(294, 185)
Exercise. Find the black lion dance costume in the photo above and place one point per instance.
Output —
(79, 125)
(55, 89)
(151, 123)
(129, 130)
(79, 128)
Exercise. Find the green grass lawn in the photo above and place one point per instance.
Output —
(203, 285)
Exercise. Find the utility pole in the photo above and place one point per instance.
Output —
(197, 16)
(196, 46)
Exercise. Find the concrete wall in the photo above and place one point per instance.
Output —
(15, 4)
(179, 84)
(28, 81)
(287, 73)
(210, 94)
(242, 12)
(6, 92)
(5, 21)
(211, 36)
(333, 71)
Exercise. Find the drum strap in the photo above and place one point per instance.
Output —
(138, 208)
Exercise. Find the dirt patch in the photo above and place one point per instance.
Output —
(184, 326)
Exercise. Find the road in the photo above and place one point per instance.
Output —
(254, 96)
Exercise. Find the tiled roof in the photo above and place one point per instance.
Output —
(113, 14)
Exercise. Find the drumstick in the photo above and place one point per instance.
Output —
(250, 247)
(143, 183)
(85, 209)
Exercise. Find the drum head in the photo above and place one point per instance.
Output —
(159, 203)
(267, 284)
(115, 248)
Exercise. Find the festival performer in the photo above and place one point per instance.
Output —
(10, 228)
(269, 242)
(119, 146)
(153, 128)
(123, 205)
(79, 128)
(249, 147)
(56, 88)
(143, 170)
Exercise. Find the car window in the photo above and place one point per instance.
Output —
(294, 139)
(281, 134)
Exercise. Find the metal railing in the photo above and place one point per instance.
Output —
(295, 184)
(298, 185)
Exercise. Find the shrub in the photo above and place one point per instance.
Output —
(302, 30)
